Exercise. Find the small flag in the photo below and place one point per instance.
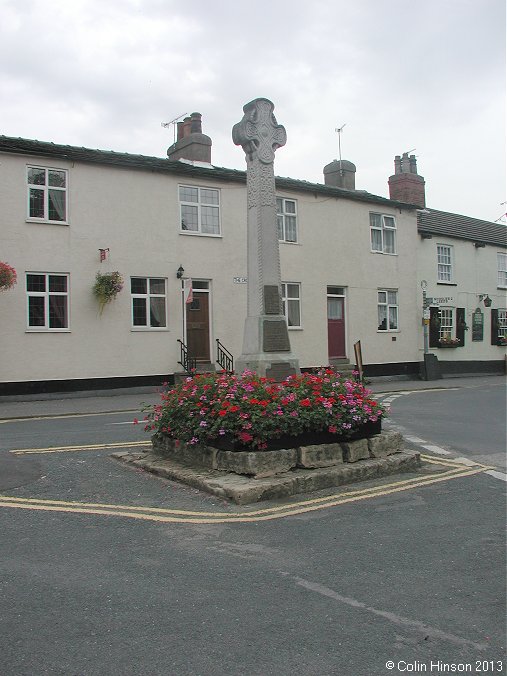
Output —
(188, 294)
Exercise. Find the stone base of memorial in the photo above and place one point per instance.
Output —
(246, 476)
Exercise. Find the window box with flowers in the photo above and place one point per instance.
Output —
(450, 342)
(502, 341)
(8, 276)
(251, 413)
(107, 286)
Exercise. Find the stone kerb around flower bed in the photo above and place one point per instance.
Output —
(266, 463)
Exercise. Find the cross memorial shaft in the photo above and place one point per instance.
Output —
(266, 345)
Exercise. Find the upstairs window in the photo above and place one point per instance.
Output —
(199, 210)
(47, 194)
(291, 303)
(387, 310)
(286, 218)
(47, 301)
(502, 270)
(445, 263)
(148, 302)
(383, 233)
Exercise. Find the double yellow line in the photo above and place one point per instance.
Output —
(161, 515)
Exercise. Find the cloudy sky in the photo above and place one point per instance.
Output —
(399, 74)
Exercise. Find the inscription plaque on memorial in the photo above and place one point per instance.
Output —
(275, 337)
(272, 305)
(280, 370)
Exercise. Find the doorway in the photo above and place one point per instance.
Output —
(197, 316)
(336, 322)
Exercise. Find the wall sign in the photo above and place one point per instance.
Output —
(477, 325)
(239, 280)
(444, 300)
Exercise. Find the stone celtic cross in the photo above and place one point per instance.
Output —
(266, 345)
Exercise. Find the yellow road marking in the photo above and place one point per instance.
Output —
(48, 416)
(162, 515)
(87, 447)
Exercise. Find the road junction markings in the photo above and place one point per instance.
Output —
(448, 470)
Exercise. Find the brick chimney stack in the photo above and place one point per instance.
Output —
(406, 185)
(191, 143)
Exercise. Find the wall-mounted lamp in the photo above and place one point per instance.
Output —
(479, 245)
(486, 299)
(180, 271)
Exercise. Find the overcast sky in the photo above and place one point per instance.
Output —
(400, 74)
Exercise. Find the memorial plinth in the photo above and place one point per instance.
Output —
(266, 344)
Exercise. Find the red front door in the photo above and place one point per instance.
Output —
(198, 326)
(336, 326)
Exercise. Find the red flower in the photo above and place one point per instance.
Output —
(222, 412)
(245, 437)
(233, 409)
(305, 402)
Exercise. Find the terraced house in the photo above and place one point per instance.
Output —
(175, 229)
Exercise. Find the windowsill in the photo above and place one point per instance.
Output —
(150, 329)
(41, 330)
(42, 221)
(383, 253)
(389, 331)
(295, 328)
(447, 284)
(501, 287)
(283, 241)
(199, 234)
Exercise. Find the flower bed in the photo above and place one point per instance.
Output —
(248, 412)
(8, 276)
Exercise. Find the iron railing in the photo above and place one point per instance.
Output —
(189, 363)
(224, 358)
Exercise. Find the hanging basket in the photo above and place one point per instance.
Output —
(107, 286)
(8, 276)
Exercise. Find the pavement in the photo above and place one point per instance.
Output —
(131, 399)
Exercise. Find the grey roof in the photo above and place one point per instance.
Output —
(20, 146)
(434, 222)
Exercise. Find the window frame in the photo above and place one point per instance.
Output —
(147, 298)
(501, 270)
(292, 300)
(448, 266)
(382, 228)
(199, 205)
(281, 219)
(501, 329)
(447, 331)
(388, 306)
(46, 295)
(46, 188)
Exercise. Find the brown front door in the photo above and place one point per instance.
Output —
(336, 326)
(198, 326)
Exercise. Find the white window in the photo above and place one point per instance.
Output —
(291, 302)
(387, 305)
(47, 301)
(383, 233)
(47, 194)
(502, 269)
(286, 217)
(502, 324)
(444, 262)
(148, 302)
(199, 210)
(446, 329)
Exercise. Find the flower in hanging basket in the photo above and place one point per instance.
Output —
(8, 276)
(107, 286)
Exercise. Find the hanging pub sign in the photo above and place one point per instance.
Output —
(477, 325)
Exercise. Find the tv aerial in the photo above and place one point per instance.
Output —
(173, 122)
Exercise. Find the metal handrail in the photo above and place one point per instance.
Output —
(224, 358)
(189, 363)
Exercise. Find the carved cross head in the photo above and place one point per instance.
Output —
(258, 133)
